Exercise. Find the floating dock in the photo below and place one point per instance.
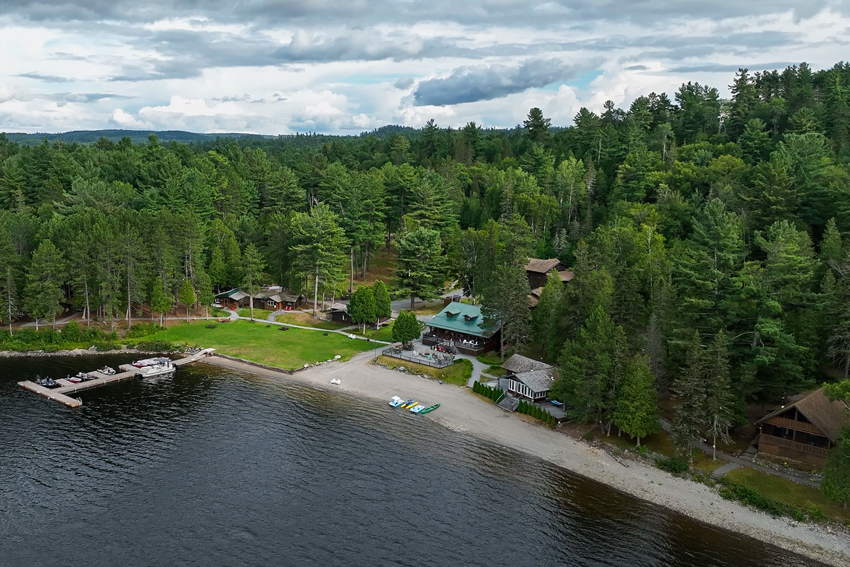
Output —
(128, 371)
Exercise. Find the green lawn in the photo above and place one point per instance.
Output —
(385, 333)
(307, 320)
(496, 371)
(491, 359)
(258, 313)
(267, 345)
(787, 492)
(457, 374)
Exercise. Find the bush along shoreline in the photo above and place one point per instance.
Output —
(74, 340)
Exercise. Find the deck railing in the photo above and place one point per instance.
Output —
(794, 445)
(794, 424)
(444, 361)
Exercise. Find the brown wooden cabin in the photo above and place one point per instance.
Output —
(280, 301)
(538, 271)
(804, 430)
(233, 299)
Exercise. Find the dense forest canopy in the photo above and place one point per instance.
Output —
(704, 234)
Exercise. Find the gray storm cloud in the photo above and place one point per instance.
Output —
(486, 82)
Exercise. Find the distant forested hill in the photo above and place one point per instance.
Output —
(137, 136)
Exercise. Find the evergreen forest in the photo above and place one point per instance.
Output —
(708, 237)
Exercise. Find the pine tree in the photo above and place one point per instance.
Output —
(406, 327)
(719, 400)
(319, 247)
(186, 294)
(546, 317)
(160, 301)
(636, 410)
(836, 472)
(253, 266)
(591, 368)
(536, 126)
(205, 292)
(506, 301)
(43, 292)
(383, 304)
(362, 308)
(421, 269)
(9, 294)
(689, 418)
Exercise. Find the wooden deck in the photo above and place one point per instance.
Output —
(128, 371)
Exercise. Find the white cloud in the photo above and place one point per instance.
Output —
(335, 67)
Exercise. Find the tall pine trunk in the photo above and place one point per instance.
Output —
(316, 292)
(88, 304)
(412, 301)
(251, 303)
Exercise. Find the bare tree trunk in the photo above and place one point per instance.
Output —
(351, 284)
(88, 305)
(251, 303)
(412, 301)
(316, 293)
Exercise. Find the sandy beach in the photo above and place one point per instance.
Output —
(460, 410)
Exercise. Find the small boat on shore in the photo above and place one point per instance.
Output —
(395, 401)
(409, 404)
(417, 408)
(336, 381)
(430, 408)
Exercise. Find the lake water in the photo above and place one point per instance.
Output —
(213, 468)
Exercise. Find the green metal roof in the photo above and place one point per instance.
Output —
(464, 318)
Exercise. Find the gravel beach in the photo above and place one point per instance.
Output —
(463, 412)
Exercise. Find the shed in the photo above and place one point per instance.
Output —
(233, 299)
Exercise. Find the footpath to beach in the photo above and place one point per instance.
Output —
(463, 412)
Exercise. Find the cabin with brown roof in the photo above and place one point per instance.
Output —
(805, 430)
(537, 270)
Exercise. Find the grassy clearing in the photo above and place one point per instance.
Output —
(307, 320)
(806, 498)
(267, 345)
(426, 309)
(385, 333)
(457, 374)
(496, 371)
(382, 266)
(490, 359)
(258, 313)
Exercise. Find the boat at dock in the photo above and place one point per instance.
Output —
(106, 370)
(395, 401)
(160, 367)
(430, 408)
(417, 408)
(46, 382)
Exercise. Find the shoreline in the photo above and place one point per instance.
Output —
(72, 352)
(462, 412)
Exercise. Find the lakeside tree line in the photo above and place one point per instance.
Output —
(708, 237)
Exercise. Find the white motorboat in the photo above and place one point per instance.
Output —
(163, 367)
(148, 362)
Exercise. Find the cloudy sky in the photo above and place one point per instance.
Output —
(344, 66)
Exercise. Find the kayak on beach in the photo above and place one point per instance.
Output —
(430, 408)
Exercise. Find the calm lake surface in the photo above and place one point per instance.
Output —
(213, 468)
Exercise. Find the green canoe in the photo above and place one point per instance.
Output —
(429, 409)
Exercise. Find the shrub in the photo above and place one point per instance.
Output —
(157, 345)
(140, 330)
(105, 346)
(673, 465)
(753, 498)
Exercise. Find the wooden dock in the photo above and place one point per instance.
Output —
(128, 371)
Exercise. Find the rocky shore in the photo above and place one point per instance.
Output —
(464, 413)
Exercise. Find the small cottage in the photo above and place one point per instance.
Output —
(529, 378)
(338, 313)
(233, 299)
(804, 430)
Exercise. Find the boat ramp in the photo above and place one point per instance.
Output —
(128, 371)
